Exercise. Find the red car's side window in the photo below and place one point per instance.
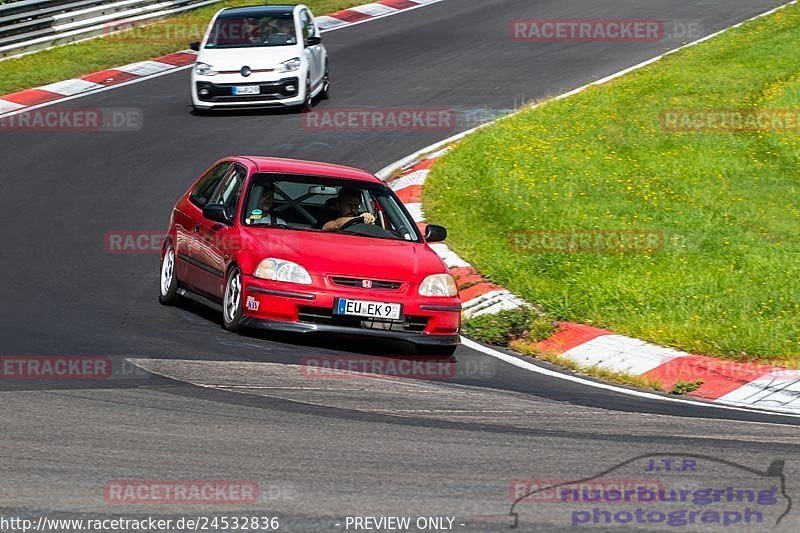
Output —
(201, 194)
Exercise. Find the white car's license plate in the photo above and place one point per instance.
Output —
(239, 90)
(369, 309)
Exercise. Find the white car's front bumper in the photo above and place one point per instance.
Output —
(275, 90)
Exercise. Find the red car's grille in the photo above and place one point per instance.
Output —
(364, 283)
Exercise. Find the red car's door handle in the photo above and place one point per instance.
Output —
(197, 228)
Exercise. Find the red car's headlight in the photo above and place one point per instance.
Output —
(282, 270)
(438, 285)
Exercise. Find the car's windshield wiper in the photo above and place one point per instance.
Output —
(350, 232)
(280, 226)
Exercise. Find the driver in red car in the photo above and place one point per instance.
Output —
(263, 214)
(348, 204)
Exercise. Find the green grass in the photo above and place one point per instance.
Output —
(512, 324)
(727, 280)
(682, 388)
(164, 37)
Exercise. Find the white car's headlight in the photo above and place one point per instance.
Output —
(204, 69)
(282, 270)
(438, 285)
(289, 65)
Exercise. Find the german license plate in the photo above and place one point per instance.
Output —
(239, 90)
(383, 310)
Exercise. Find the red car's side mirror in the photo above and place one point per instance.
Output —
(434, 233)
(217, 213)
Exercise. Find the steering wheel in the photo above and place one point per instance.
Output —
(352, 222)
(279, 38)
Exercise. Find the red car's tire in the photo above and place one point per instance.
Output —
(232, 312)
(168, 281)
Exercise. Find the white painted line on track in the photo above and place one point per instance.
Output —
(516, 361)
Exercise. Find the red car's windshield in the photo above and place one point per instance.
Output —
(326, 204)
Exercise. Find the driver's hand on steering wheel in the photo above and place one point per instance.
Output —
(369, 218)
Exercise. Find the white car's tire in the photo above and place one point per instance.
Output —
(324, 94)
(308, 99)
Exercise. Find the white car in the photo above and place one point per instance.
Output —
(260, 56)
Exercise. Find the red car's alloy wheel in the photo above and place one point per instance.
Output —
(169, 283)
(232, 301)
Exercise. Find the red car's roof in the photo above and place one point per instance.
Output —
(297, 166)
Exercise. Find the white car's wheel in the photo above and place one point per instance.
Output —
(232, 301)
(326, 85)
(168, 283)
(308, 100)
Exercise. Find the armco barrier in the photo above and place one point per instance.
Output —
(30, 25)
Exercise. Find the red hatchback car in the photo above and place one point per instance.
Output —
(300, 246)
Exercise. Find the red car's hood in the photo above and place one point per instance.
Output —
(324, 253)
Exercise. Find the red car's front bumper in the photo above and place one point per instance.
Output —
(308, 308)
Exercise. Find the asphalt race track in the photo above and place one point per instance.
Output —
(196, 402)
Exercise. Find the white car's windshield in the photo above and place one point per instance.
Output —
(326, 204)
(242, 31)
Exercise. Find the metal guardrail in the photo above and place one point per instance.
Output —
(30, 25)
